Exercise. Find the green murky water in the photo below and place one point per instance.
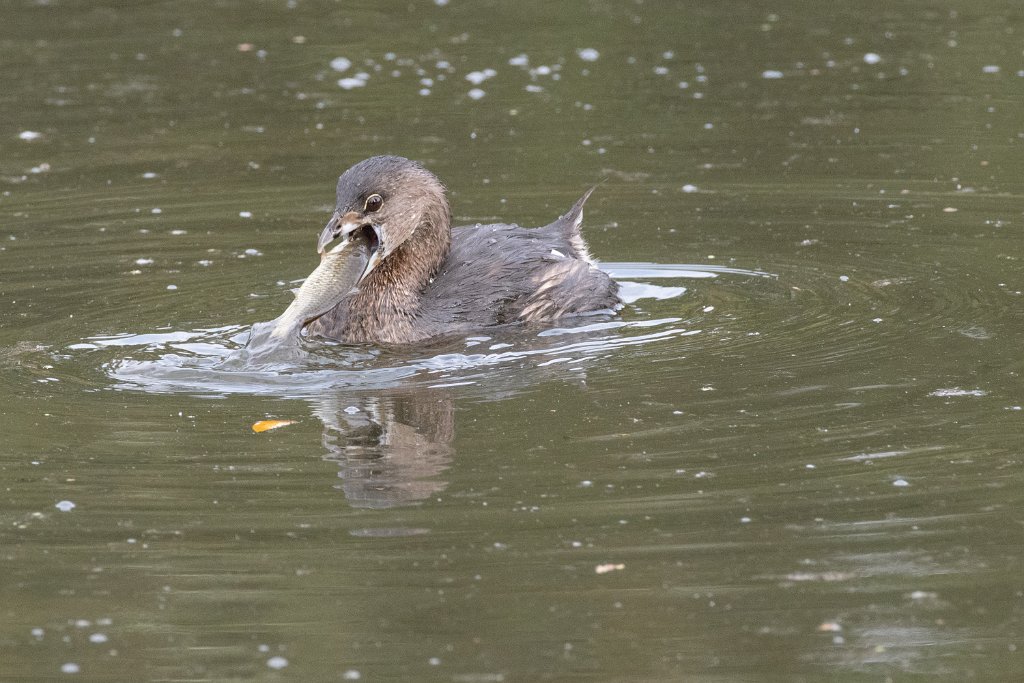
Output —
(796, 455)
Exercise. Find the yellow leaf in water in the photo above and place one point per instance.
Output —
(267, 425)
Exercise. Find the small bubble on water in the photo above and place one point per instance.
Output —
(990, 69)
(70, 668)
(340, 64)
(97, 638)
(351, 675)
(588, 54)
(872, 58)
(65, 506)
(771, 74)
(901, 482)
(475, 94)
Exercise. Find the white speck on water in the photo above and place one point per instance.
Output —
(441, 3)
(424, 91)
(37, 632)
(156, 210)
(532, 87)
(263, 647)
(744, 520)
(661, 70)
(253, 252)
(172, 287)
(29, 135)
(519, 60)
(277, 662)
(901, 482)
(149, 175)
(350, 83)
(809, 466)
(707, 388)
(844, 278)
(557, 254)
(708, 125)
(98, 638)
(957, 391)
(352, 410)
(205, 262)
(475, 94)
(588, 54)
(341, 64)
(434, 661)
(688, 188)
(683, 85)
(143, 261)
(82, 623)
(872, 58)
(708, 309)
(351, 675)
(426, 82)
(70, 668)
(245, 214)
(478, 77)
(586, 483)
(542, 70)
(772, 74)
(990, 69)
(179, 231)
(65, 506)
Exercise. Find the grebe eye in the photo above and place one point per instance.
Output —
(373, 203)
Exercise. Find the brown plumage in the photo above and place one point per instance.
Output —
(426, 279)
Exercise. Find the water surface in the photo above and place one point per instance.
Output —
(794, 454)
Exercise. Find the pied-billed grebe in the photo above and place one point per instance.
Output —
(423, 279)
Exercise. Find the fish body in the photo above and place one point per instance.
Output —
(336, 276)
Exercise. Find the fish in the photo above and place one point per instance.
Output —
(339, 271)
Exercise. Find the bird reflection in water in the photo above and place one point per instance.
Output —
(390, 448)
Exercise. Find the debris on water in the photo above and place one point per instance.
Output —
(351, 675)
(901, 483)
(350, 83)
(267, 425)
(277, 662)
(29, 135)
(588, 54)
(688, 188)
(771, 74)
(98, 638)
(65, 506)
(957, 391)
(519, 60)
(608, 567)
(478, 77)
(341, 64)
(872, 58)
(245, 214)
(172, 287)
(352, 410)
(476, 94)
(143, 261)
(990, 69)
